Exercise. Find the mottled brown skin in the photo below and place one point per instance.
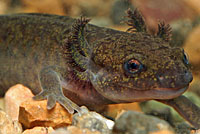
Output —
(92, 66)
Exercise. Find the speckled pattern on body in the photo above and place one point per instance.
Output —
(72, 62)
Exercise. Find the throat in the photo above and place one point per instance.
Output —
(82, 92)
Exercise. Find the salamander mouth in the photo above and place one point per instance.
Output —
(132, 95)
(171, 89)
(170, 93)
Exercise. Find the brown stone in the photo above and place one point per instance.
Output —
(7, 126)
(39, 130)
(14, 97)
(34, 113)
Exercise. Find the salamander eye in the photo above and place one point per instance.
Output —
(185, 58)
(133, 66)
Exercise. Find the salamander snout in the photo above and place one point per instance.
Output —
(175, 80)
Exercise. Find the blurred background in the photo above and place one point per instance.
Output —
(182, 15)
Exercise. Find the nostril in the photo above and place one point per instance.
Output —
(184, 76)
(161, 78)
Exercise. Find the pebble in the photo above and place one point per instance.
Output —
(131, 122)
(14, 97)
(7, 126)
(39, 130)
(34, 113)
(162, 111)
(93, 121)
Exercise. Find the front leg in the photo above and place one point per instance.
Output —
(77, 48)
(50, 82)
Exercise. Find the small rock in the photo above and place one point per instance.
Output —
(162, 111)
(14, 97)
(7, 126)
(93, 121)
(132, 122)
(34, 113)
(39, 130)
(74, 130)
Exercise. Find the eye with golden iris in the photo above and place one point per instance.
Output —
(133, 66)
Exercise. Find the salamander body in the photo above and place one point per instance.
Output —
(75, 63)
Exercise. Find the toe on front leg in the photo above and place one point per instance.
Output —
(68, 104)
(51, 101)
(52, 91)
